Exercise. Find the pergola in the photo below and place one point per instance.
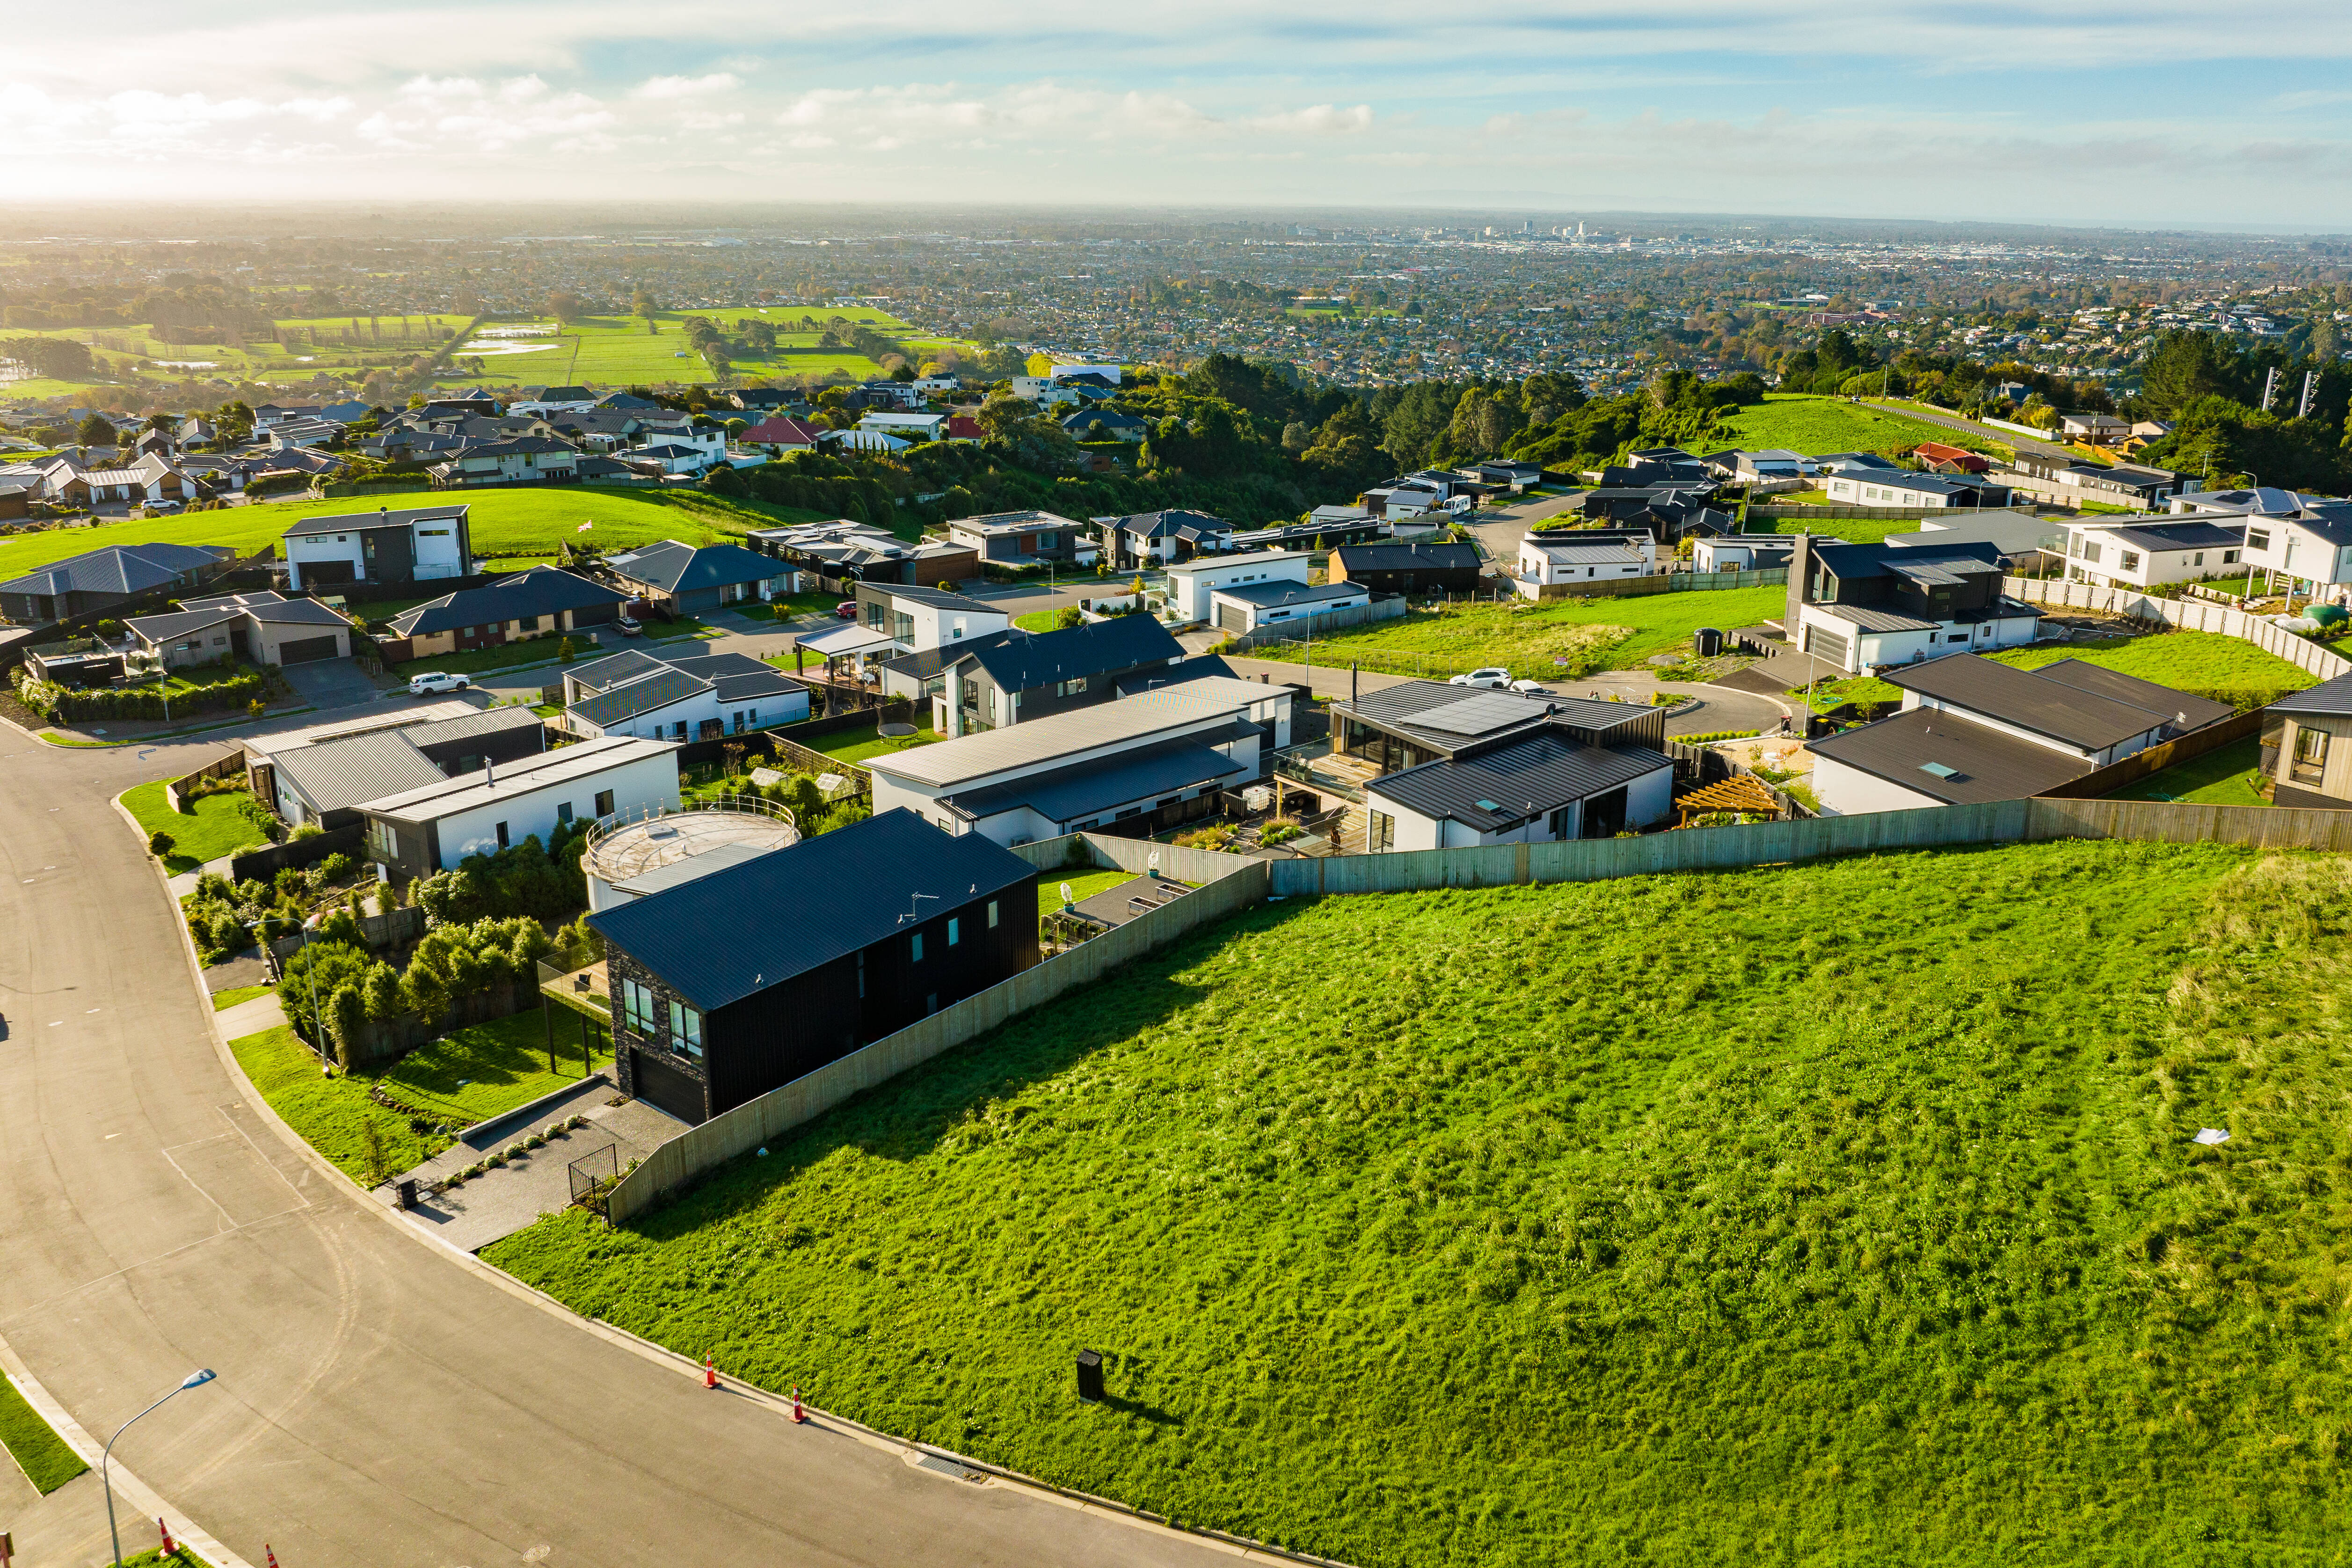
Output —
(1739, 793)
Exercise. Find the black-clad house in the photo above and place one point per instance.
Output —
(743, 980)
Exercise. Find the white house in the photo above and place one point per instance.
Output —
(435, 825)
(1244, 607)
(1113, 374)
(918, 619)
(864, 440)
(2144, 552)
(2313, 548)
(1161, 756)
(1192, 582)
(419, 545)
(1865, 608)
(1569, 556)
(1533, 787)
(927, 427)
(1902, 488)
(699, 697)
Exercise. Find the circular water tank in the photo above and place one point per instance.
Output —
(634, 853)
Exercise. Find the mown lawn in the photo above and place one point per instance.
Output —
(2205, 663)
(472, 1074)
(1560, 639)
(1619, 1222)
(34, 1444)
(1819, 425)
(858, 746)
(1084, 885)
(2223, 776)
(223, 1000)
(212, 827)
(507, 523)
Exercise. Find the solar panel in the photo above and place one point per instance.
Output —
(1476, 715)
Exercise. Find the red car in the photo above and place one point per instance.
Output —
(847, 610)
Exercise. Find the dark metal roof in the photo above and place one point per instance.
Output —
(643, 695)
(738, 676)
(119, 569)
(2065, 710)
(931, 660)
(1086, 789)
(1199, 667)
(541, 591)
(163, 628)
(355, 522)
(933, 598)
(1504, 785)
(1354, 558)
(296, 612)
(1875, 620)
(2329, 696)
(1405, 708)
(2192, 535)
(1273, 595)
(603, 674)
(1122, 642)
(2186, 712)
(1176, 522)
(1984, 764)
(738, 932)
(1850, 561)
(676, 568)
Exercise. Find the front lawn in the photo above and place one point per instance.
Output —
(34, 1444)
(2223, 776)
(1558, 639)
(1625, 1221)
(212, 828)
(223, 1000)
(474, 1074)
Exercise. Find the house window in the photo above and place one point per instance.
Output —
(992, 705)
(637, 1007)
(2090, 553)
(739, 720)
(992, 914)
(1557, 823)
(972, 693)
(1381, 833)
(915, 948)
(955, 931)
(752, 716)
(2229, 557)
(603, 802)
(563, 812)
(2199, 559)
(932, 1003)
(1070, 687)
(2258, 538)
(685, 1029)
(2310, 756)
(2130, 562)
(711, 729)
(502, 835)
(677, 730)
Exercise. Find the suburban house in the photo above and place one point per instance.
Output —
(1413, 722)
(1161, 538)
(1972, 729)
(101, 580)
(1136, 766)
(1903, 488)
(2312, 548)
(433, 825)
(1361, 529)
(1748, 552)
(324, 774)
(1564, 557)
(1244, 607)
(917, 618)
(2034, 546)
(1771, 465)
(1023, 537)
(684, 579)
(780, 434)
(380, 546)
(1419, 568)
(260, 628)
(1531, 786)
(1191, 583)
(2307, 747)
(845, 552)
(517, 460)
(908, 426)
(661, 696)
(1865, 607)
(1944, 458)
(866, 929)
(541, 602)
(2094, 429)
(2075, 481)
(2144, 552)
(1105, 425)
(1015, 678)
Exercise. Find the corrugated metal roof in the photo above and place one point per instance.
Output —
(1983, 763)
(342, 774)
(1059, 735)
(118, 569)
(1506, 786)
(2071, 713)
(617, 704)
(599, 674)
(1875, 620)
(1122, 642)
(466, 726)
(738, 932)
(354, 521)
(398, 719)
(1403, 709)
(430, 803)
(2328, 697)
(1273, 595)
(1092, 788)
(163, 628)
(2186, 710)
(678, 568)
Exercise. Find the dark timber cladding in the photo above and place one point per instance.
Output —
(742, 980)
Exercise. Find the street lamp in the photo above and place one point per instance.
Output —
(105, 1475)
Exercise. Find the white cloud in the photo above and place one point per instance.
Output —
(687, 86)
(1323, 120)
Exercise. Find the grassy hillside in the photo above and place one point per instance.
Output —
(2223, 667)
(1819, 425)
(505, 523)
(1613, 1223)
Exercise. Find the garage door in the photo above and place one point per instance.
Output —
(1826, 644)
(666, 1087)
(302, 650)
(1232, 618)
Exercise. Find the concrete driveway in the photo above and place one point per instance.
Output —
(331, 683)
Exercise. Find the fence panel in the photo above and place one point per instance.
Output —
(271, 859)
(2185, 614)
(2172, 822)
(2156, 759)
(229, 763)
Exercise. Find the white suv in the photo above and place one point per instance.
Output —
(1494, 677)
(433, 681)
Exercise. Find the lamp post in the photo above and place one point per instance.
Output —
(105, 1475)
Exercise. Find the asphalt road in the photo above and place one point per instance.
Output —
(380, 1401)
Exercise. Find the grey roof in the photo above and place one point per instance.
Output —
(429, 803)
(2011, 532)
(1099, 726)
(466, 726)
(179, 623)
(118, 569)
(737, 676)
(1855, 562)
(338, 775)
(932, 660)
(1199, 667)
(643, 695)
(1504, 786)
(355, 522)
(541, 591)
(1357, 558)
(1270, 595)
(933, 598)
(602, 673)
(1174, 523)
(2329, 696)
(1122, 642)
(2025, 699)
(842, 891)
(296, 612)
(676, 568)
(1448, 717)
(1603, 555)
(2186, 710)
(1081, 790)
(1875, 620)
(1984, 764)
(2194, 534)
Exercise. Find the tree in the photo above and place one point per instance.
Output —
(643, 303)
(1068, 617)
(160, 844)
(95, 431)
(566, 307)
(2183, 366)
(1296, 437)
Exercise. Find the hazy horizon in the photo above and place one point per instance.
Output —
(2030, 114)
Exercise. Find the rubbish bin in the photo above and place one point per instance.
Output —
(1090, 1383)
(407, 1192)
(1709, 640)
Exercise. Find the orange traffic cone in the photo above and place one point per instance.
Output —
(799, 1416)
(168, 1548)
(271, 1555)
(709, 1373)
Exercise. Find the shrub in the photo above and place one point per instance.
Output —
(224, 932)
(526, 879)
(337, 867)
(536, 1140)
(160, 844)
(308, 830)
(496, 1161)
(315, 976)
(515, 1151)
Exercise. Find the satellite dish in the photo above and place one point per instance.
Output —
(1066, 899)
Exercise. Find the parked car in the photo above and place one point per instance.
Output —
(435, 680)
(628, 628)
(1494, 677)
(847, 610)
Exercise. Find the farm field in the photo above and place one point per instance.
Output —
(505, 523)
(321, 343)
(1621, 1221)
(1816, 425)
(619, 350)
(1560, 640)
(2206, 663)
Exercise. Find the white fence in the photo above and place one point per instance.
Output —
(2185, 614)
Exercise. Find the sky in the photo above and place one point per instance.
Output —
(2159, 114)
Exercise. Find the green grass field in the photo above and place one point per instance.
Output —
(212, 829)
(619, 351)
(1816, 425)
(858, 746)
(2223, 776)
(1084, 885)
(504, 523)
(1616, 1222)
(2203, 662)
(1602, 633)
(317, 344)
(503, 1064)
(34, 1444)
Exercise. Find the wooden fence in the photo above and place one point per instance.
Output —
(228, 764)
(269, 859)
(1228, 885)
(2156, 759)
(2182, 614)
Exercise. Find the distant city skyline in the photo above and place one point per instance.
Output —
(2168, 117)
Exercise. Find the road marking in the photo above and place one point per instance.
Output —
(55, 1022)
(86, 1011)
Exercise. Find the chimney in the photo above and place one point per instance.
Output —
(491, 773)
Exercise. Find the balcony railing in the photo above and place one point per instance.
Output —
(587, 989)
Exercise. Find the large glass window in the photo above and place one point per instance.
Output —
(637, 1007)
(2310, 756)
(685, 1030)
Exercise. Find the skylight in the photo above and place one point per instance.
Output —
(1939, 770)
